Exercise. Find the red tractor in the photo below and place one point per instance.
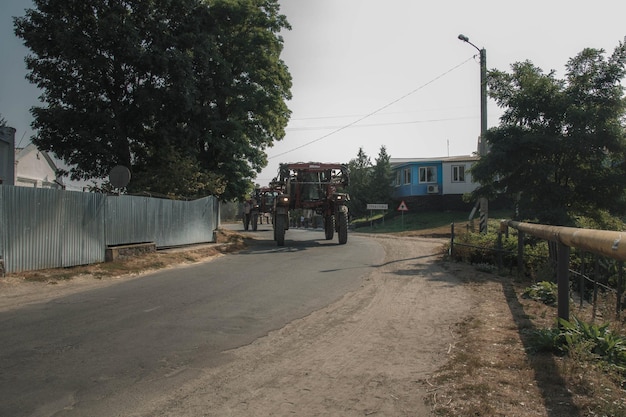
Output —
(262, 204)
(314, 186)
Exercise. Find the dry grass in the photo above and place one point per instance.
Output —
(227, 241)
(493, 372)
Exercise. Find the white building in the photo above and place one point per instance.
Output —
(34, 168)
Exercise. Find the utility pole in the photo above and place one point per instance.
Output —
(482, 144)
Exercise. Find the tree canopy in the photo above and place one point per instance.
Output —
(188, 94)
(381, 186)
(369, 183)
(360, 174)
(560, 148)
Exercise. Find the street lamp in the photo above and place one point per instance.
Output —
(482, 146)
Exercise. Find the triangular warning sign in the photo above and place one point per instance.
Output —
(403, 207)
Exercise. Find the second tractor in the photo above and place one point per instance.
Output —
(320, 187)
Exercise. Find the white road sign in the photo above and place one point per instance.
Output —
(378, 207)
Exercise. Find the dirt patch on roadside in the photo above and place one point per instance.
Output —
(495, 370)
(33, 286)
(370, 353)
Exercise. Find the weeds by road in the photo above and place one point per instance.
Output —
(494, 370)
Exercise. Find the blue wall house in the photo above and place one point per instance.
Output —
(433, 183)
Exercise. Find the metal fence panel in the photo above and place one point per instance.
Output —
(194, 225)
(83, 228)
(30, 229)
(185, 222)
(44, 228)
(127, 220)
(131, 219)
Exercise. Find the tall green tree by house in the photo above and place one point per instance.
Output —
(369, 183)
(381, 178)
(188, 94)
(360, 180)
(560, 148)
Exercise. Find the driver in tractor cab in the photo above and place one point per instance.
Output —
(250, 213)
(247, 207)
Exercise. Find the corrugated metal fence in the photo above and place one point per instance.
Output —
(43, 228)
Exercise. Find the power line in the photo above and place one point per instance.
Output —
(384, 123)
(345, 116)
(374, 112)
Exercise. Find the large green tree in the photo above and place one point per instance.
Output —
(188, 94)
(360, 179)
(381, 179)
(369, 183)
(560, 148)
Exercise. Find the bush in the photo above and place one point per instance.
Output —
(478, 248)
(602, 220)
(544, 291)
(600, 341)
(583, 341)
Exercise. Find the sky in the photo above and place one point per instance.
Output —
(368, 74)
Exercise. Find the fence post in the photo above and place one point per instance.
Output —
(452, 241)
(499, 248)
(562, 278)
(520, 253)
(620, 288)
(596, 275)
(581, 280)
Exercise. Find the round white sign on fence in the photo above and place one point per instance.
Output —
(119, 177)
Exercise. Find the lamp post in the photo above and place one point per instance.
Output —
(482, 146)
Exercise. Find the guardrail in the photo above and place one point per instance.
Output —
(601, 242)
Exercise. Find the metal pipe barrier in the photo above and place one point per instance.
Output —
(601, 242)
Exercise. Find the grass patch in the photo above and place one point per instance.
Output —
(419, 221)
(230, 241)
(511, 359)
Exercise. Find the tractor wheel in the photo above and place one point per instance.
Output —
(274, 226)
(329, 227)
(279, 230)
(343, 228)
(255, 221)
(246, 221)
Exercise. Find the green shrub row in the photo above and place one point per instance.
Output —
(482, 248)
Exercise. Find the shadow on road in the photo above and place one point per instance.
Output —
(262, 241)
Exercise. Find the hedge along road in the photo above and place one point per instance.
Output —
(116, 349)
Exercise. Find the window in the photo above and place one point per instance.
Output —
(407, 175)
(458, 173)
(398, 178)
(428, 174)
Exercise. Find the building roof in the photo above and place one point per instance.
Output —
(460, 158)
(35, 166)
(20, 153)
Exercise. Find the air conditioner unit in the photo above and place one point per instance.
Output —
(432, 189)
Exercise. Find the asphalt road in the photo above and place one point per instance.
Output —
(104, 352)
